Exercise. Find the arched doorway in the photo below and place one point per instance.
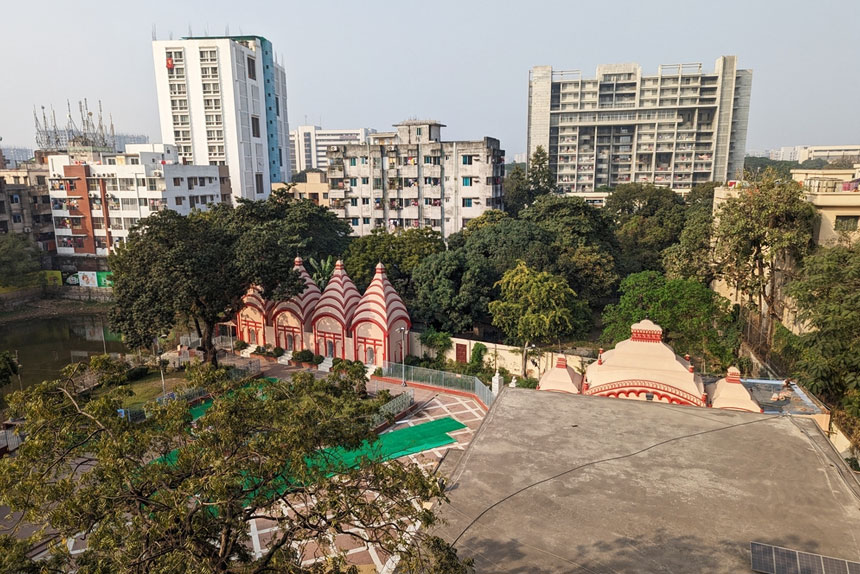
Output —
(290, 343)
(370, 356)
(329, 349)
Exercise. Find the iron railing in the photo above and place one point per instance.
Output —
(442, 379)
(393, 407)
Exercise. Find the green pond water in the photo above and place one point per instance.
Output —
(47, 345)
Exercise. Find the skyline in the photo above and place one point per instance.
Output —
(465, 65)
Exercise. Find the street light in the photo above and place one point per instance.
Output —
(403, 331)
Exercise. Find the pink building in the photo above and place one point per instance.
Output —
(337, 322)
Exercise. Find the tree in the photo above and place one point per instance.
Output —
(401, 252)
(154, 497)
(691, 258)
(648, 219)
(817, 163)
(540, 176)
(845, 162)
(694, 319)
(322, 270)
(201, 265)
(439, 341)
(516, 191)
(759, 236)
(19, 257)
(8, 368)
(446, 296)
(754, 166)
(827, 294)
(536, 306)
(583, 240)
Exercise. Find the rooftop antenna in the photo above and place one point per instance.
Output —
(190, 34)
(170, 35)
(206, 30)
(154, 34)
(227, 30)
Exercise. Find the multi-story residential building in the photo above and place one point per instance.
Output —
(678, 128)
(314, 188)
(411, 178)
(12, 156)
(309, 145)
(827, 152)
(97, 197)
(223, 101)
(25, 205)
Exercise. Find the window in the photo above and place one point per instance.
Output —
(179, 200)
(365, 180)
(255, 126)
(365, 201)
(98, 222)
(467, 182)
(14, 198)
(377, 183)
(177, 181)
(40, 180)
(278, 107)
(354, 221)
(252, 68)
(353, 202)
(467, 160)
(191, 182)
(847, 222)
(16, 218)
(353, 161)
(2, 207)
(418, 131)
(364, 160)
(258, 183)
(365, 220)
(353, 181)
(467, 202)
(129, 203)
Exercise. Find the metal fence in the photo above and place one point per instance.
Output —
(394, 407)
(190, 341)
(441, 379)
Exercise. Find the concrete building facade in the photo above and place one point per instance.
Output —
(411, 178)
(309, 145)
(678, 128)
(25, 205)
(315, 188)
(223, 101)
(96, 198)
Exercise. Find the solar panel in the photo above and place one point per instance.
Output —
(769, 559)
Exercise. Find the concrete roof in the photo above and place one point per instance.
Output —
(630, 486)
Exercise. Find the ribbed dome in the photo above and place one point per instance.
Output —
(381, 303)
(303, 304)
(339, 298)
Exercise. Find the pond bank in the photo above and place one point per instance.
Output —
(45, 308)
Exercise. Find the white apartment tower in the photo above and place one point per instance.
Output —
(678, 128)
(309, 145)
(411, 178)
(223, 101)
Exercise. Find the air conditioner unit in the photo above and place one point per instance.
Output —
(392, 148)
(333, 148)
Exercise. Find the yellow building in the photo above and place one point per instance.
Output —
(315, 188)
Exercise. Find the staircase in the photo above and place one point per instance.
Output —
(285, 358)
(325, 366)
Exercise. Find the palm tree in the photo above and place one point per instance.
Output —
(322, 270)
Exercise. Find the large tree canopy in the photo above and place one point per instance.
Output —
(827, 294)
(156, 497)
(19, 257)
(648, 220)
(694, 319)
(201, 265)
(691, 257)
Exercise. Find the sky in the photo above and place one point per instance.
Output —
(368, 63)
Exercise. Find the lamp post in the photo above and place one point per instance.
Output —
(403, 331)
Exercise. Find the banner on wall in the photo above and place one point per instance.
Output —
(104, 278)
(88, 279)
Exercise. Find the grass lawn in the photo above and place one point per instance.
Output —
(147, 389)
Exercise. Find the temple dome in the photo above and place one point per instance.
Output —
(303, 304)
(561, 378)
(339, 298)
(729, 393)
(381, 303)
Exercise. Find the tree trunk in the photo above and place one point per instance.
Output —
(525, 357)
(210, 355)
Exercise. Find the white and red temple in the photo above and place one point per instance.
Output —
(337, 322)
(643, 367)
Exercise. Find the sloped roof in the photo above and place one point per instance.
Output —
(381, 303)
(644, 357)
(303, 304)
(729, 393)
(561, 378)
(339, 298)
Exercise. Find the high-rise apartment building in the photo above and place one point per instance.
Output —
(309, 145)
(678, 128)
(223, 101)
(25, 205)
(97, 197)
(411, 178)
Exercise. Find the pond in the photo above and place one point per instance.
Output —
(48, 344)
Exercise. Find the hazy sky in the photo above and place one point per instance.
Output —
(364, 63)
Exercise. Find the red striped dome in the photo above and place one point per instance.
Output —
(381, 304)
(339, 298)
(303, 304)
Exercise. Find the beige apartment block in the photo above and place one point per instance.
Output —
(314, 189)
(678, 128)
(411, 178)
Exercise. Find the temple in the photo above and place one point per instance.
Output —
(645, 368)
(338, 322)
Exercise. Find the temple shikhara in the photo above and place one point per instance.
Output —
(337, 322)
(643, 367)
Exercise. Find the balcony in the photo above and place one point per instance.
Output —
(336, 194)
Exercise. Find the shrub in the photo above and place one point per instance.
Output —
(136, 373)
(527, 383)
(318, 359)
(377, 372)
(259, 350)
(303, 356)
(240, 345)
(277, 352)
(478, 352)
(413, 361)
